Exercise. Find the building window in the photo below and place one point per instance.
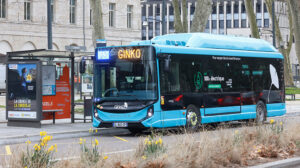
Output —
(112, 8)
(72, 11)
(266, 23)
(27, 9)
(129, 16)
(90, 16)
(214, 9)
(2, 8)
(52, 10)
(236, 8)
(228, 8)
(228, 23)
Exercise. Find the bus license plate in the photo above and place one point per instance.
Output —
(120, 124)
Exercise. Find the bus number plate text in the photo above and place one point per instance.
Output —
(120, 124)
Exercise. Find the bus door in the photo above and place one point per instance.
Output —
(171, 95)
(222, 91)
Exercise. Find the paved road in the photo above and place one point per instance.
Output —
(114, 144)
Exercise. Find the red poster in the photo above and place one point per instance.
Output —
(61, 102)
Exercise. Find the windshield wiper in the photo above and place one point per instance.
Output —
(132, 95)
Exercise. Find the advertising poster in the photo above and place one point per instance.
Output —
(48, 79)
(21, 90)
(61, 101)
(87, 83)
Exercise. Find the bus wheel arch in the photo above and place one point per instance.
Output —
(261, 112)
(193, 117)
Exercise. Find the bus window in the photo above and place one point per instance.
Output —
(170, 80)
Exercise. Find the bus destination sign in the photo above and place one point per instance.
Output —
(129, 53)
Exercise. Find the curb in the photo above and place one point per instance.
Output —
(292, 162)
(61, 135)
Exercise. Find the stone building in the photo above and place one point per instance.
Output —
(227, 17)
(23, 23)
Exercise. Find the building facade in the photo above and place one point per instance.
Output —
(23, 23)
(228, 17)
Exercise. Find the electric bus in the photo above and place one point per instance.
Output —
(187, 80)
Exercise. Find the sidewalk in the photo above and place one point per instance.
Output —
(63, 128)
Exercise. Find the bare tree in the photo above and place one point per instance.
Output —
(295, 10)
(97, 20)
(177, 19)
(252, 18)
(202, 11)
(285, 52)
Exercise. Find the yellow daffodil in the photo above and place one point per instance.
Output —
(51, 148)
(42, 144)
(272, 121)
(37, 147)
(160, 141)
(281, 123)
(80, 141)
(96, 130)
(149, 142)
(96, 142)
(28, 142)
(156, 142)
(144, 157)
(146, 141)
(105, 157)
(43, 133)
(55, 145)
(236, 132)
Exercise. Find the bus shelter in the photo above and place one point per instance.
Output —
(40, 86)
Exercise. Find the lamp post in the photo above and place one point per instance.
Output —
(163, 17)
(273, 24)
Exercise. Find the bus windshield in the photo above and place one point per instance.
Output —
(125, 73)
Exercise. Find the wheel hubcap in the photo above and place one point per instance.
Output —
(260, 113)
(192, 118)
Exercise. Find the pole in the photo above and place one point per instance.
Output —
(83, 20)
(273, 24)
(163, 17)
(49, 25)
(72, 88)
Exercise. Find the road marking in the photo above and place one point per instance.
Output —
(128, 150)
(121, 139)
(8, 151)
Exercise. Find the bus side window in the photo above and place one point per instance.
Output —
(170, 80)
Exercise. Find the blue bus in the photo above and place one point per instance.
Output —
(187, 80)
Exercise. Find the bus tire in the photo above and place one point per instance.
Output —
(193, 119)
(260, 112)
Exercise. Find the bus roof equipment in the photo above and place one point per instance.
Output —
(212, 41)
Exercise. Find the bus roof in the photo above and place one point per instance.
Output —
(209, 41)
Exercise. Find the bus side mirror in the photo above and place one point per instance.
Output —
(166, 59)
(82, 66)
(167, 63)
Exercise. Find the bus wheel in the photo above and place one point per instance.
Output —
(192, 118)
(260, 112)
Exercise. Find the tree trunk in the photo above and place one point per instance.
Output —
(252, 19)
(184, 16)
(177, 19)
(285, 52)
(97, 20)
(202, 11)
(295, 10)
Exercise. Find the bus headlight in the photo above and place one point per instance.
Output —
(150, 112)
(95, 113)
